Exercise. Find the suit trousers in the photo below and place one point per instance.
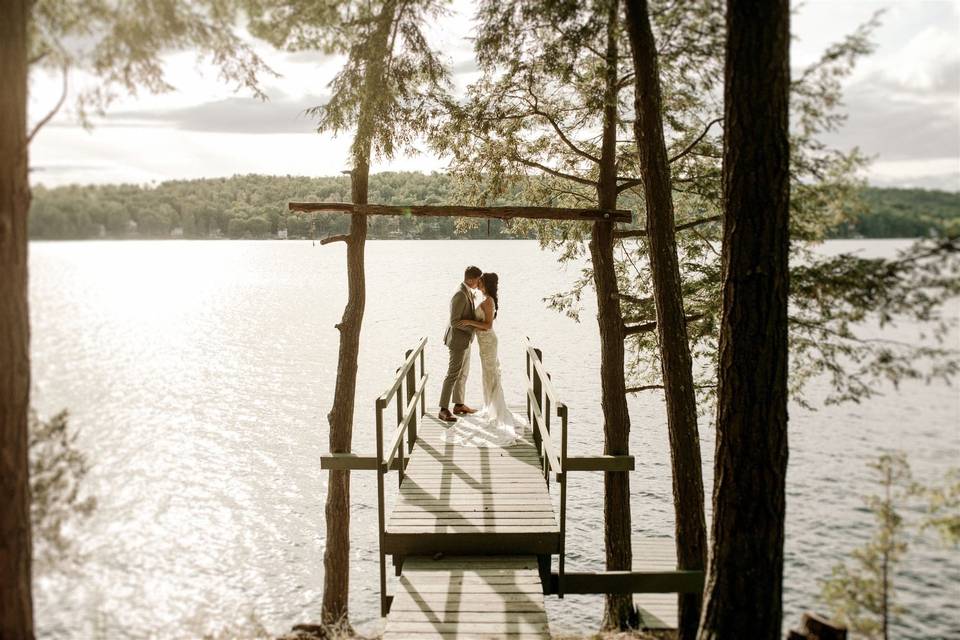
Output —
(455, 383)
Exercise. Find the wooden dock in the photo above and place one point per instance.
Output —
(473, 530)
(467, 597)
(655, 555)
(470, 500)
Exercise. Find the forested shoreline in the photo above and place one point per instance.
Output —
(255, 206)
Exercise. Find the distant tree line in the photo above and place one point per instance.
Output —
(249, 206)
(904, 213)
(255, 206)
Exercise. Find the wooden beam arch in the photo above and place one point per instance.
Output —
(460, 211)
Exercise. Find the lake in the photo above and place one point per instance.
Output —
(200, 373)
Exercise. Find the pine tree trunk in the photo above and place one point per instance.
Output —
(743, 597)
(336, 556)
(619, 612)
(16, 602)
(677, 366)
(888, 545)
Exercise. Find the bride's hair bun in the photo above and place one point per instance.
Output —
(490, 283)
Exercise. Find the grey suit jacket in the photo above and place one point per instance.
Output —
(461, 308)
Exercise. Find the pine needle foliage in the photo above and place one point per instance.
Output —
(943, 508)
(414, 78)
(532, 123)
(861, 591)
(57, 498)
(120, 45)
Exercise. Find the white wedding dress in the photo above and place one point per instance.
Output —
(494, 425)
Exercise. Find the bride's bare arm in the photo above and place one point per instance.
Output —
(486, 325)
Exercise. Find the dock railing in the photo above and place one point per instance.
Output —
(408, 389)
(542, 404)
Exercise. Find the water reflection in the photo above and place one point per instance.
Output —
(200, 374)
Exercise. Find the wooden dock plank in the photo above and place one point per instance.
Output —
(657, 610)
(450, 490)
(537, 617)
(468, 597)
(457, 499)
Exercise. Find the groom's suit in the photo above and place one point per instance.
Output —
(458, 342)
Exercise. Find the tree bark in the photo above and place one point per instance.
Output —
(16, 601)
(619, 612)
(743, 596)
(671, 325)
(336, 556)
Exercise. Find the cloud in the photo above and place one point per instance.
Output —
(939, 173)
(281, 114)
(927, 64)
(899, 125)
(62, 168)
(904, 106)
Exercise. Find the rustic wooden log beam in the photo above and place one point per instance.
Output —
(354, 462)
(459, 211)
(627, 582)
(600, 463)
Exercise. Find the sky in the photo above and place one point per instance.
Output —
(903, 105)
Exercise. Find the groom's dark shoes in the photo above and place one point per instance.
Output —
(462, 409)
(446, 416)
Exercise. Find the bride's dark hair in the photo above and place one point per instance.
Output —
(490, 283)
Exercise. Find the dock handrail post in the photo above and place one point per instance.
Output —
(411, 385)
(381, 515)
(562, 412)
(538, 394)
(400, 405)
(423, 396)
(526, 353)
(545, 407)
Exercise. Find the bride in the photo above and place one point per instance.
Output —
(495, 425)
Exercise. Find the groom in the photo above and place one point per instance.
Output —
(462, 307)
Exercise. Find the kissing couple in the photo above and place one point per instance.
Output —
(473, 310)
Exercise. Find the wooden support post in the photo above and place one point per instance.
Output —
(543, 565)
(423, 396)
(529, 414)
(411, 390)
(400, 406)
(546, 427)
(381, 508)
(561, 557)
(538, 394)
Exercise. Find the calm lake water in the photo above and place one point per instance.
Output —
(200, 373)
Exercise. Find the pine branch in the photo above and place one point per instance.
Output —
(536, 110)
(651, 387)
(642, 233)
(693, 144)
(647, 327)
(634, 299)
(554, 172)
(47, 118)
(338, 238)
(646, 387)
